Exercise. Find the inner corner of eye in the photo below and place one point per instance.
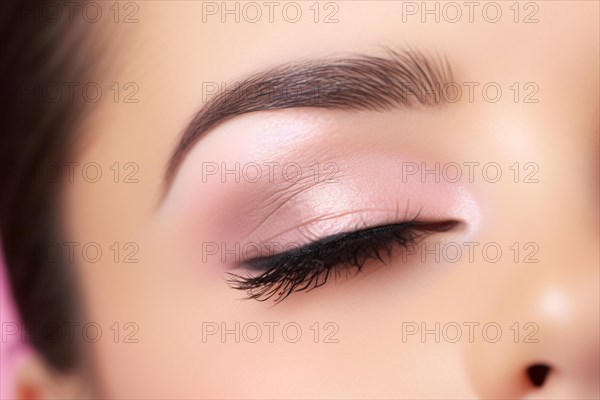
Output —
(445, 225)
(414, 224)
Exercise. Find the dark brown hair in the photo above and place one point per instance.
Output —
(36, 51)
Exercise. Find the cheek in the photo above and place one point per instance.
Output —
(196, 339)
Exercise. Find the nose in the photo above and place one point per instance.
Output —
(550, 343)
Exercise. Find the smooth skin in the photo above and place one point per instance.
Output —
(170, 53)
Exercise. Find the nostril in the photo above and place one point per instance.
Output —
(538, 373)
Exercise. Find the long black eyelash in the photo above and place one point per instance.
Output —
(310, 266)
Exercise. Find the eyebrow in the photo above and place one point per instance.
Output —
(400, 79)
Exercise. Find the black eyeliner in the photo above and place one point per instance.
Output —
(336, 240)
(309, 266)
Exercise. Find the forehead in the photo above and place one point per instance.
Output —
(165, 60)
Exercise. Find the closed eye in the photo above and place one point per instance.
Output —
(310, 266)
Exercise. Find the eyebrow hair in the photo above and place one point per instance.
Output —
(401, 79)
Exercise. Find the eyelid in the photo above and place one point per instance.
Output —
(311, 265)
(341, 239)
